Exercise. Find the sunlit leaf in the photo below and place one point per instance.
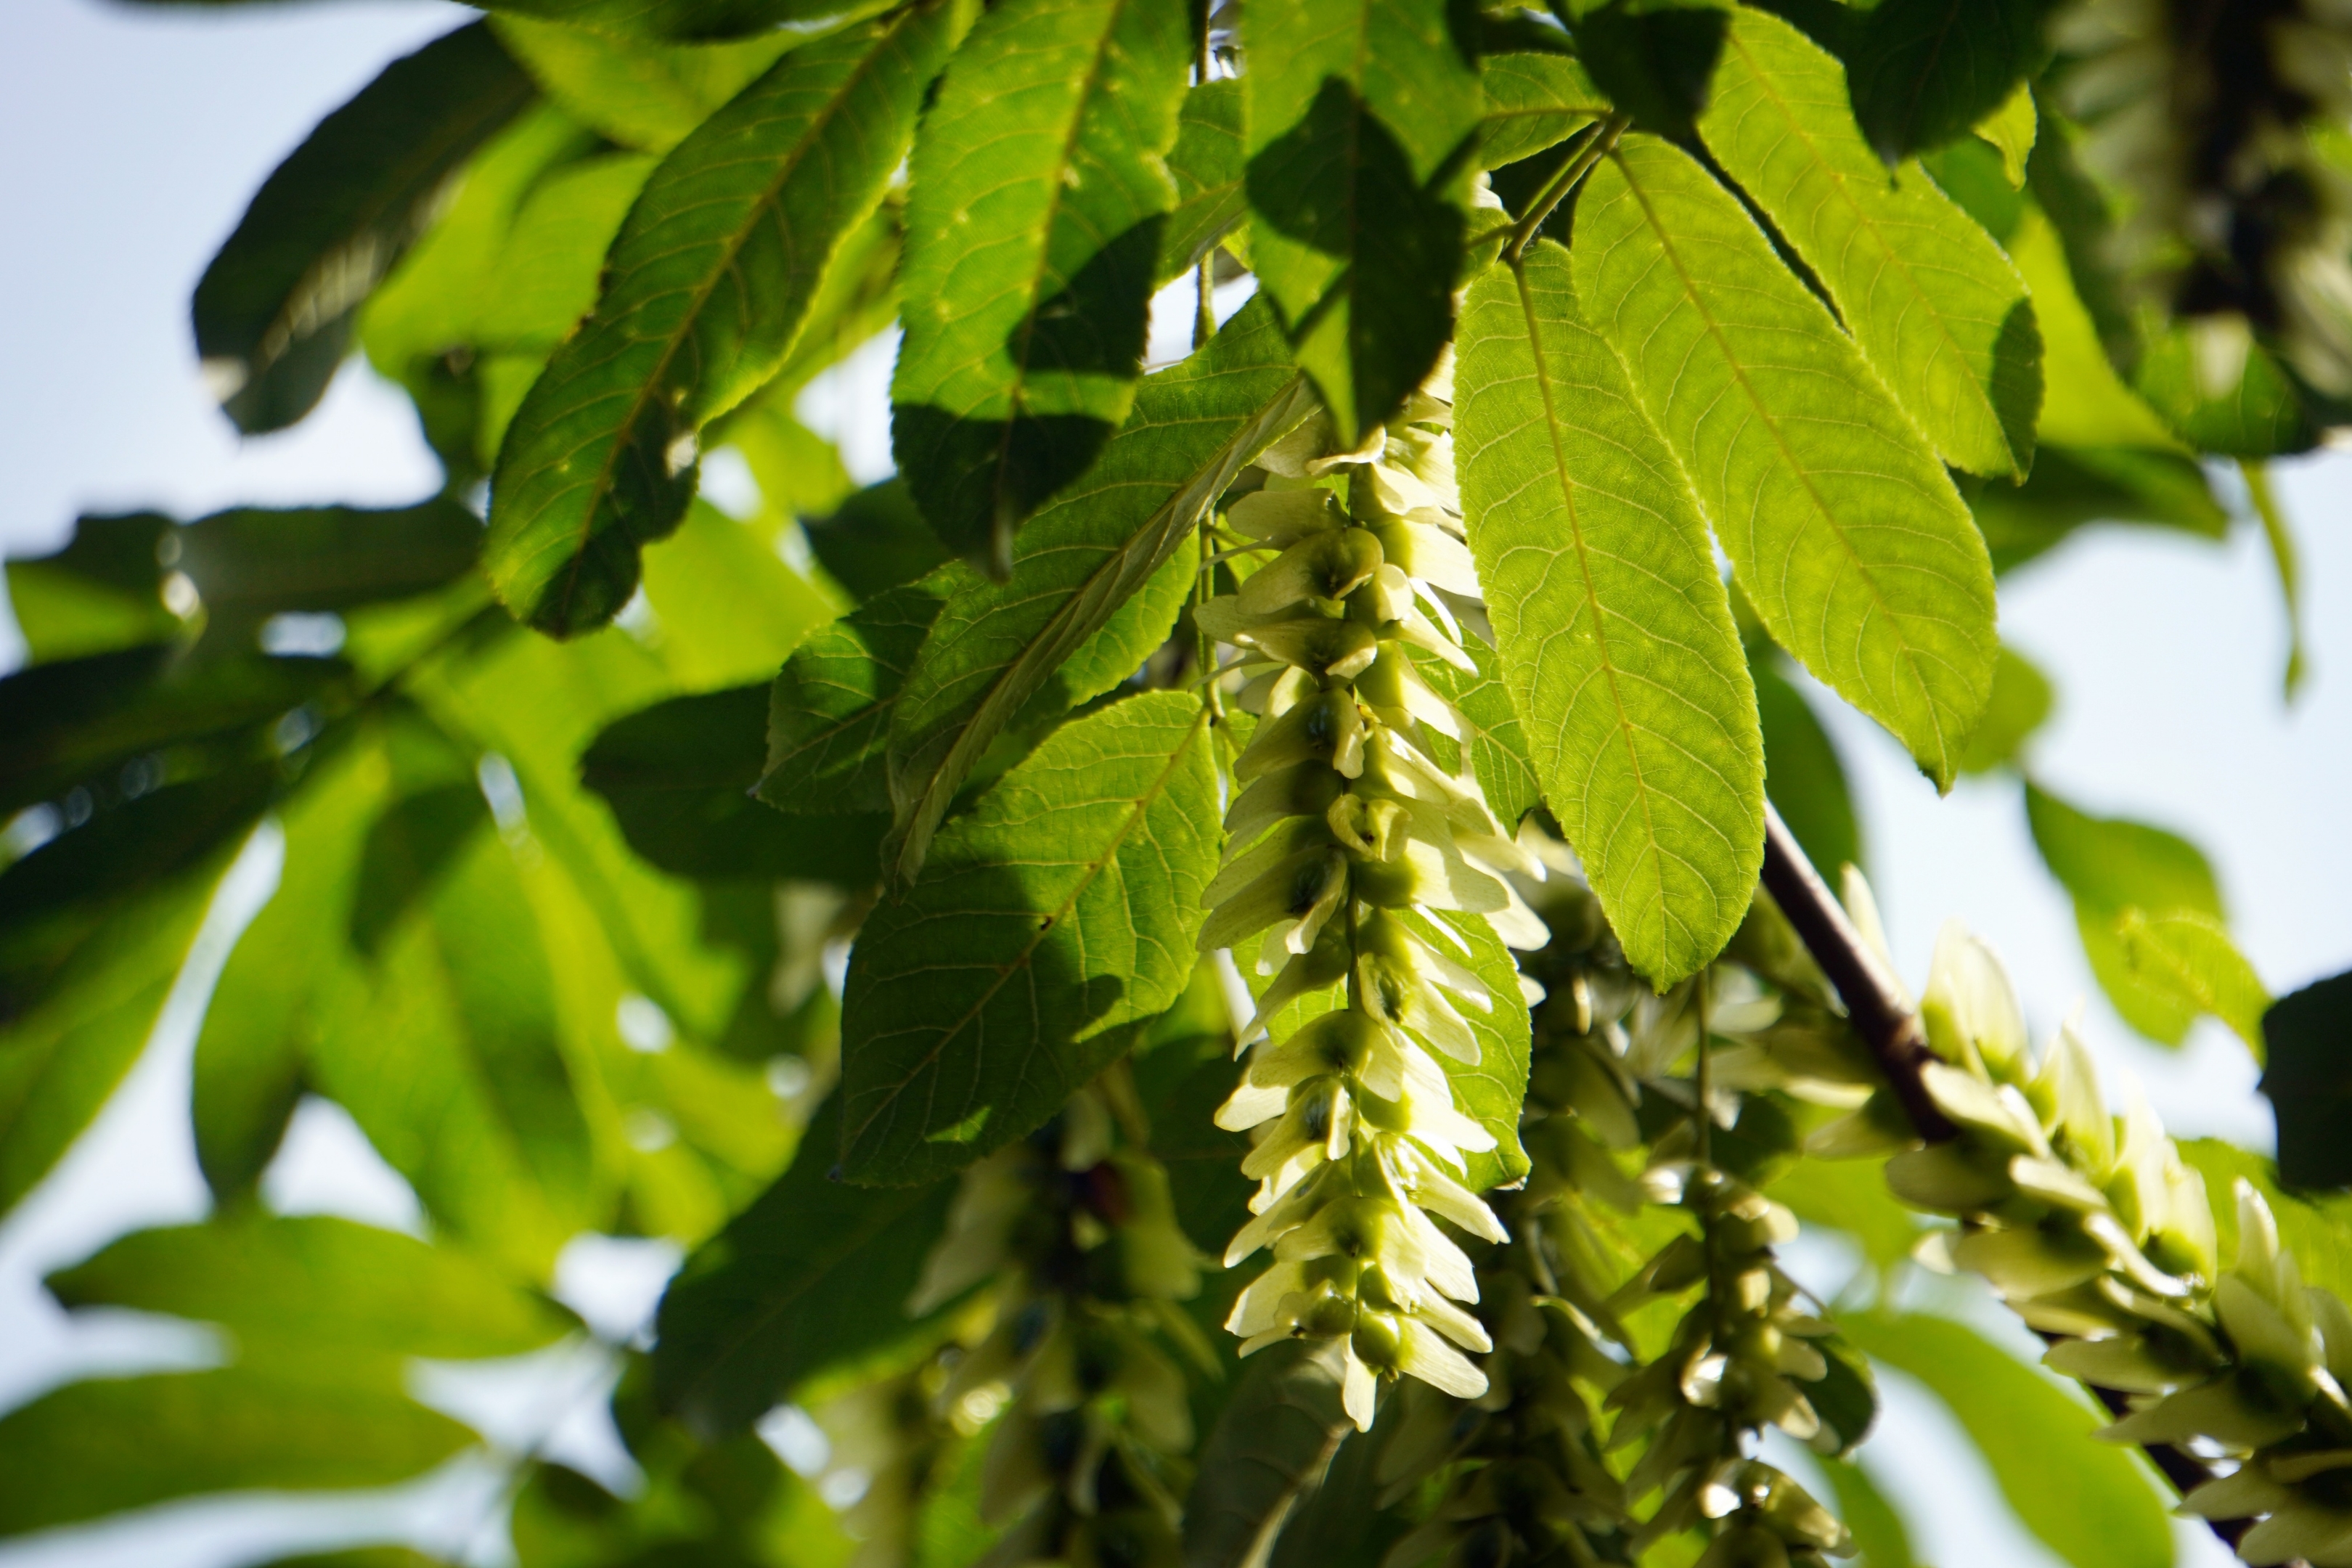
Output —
(1500, 756)
(1207, 163)
(1038, 198)
(1533, 101)
(273, 309)
(1843, 528)
(1616, 638)
(1934, 306)
(1359, 151)
(704, 290)
(1080, 566)
(1056, 914)
(638, 95)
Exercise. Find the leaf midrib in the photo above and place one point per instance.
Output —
(1136, 810)
(1625, 726)
(699, 297)
(1769, 89)
(1804, 475)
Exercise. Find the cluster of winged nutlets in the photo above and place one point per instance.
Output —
(2096, 1233)
(1351, 849)
(2218, 115)
(1078, 1242)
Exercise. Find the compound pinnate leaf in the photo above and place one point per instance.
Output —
(829, 711)
(1360, 152)
(2086, 1500)
(1534, 101)
(1056, 914)
(1926, 70)
(318, 1281)
(1845, 530)
(1039, 191)
(1936, 307)
(1079, 566)
(1207, 163)
(705, 289)
(114, 1444)
(273, 309)
(1616, 637)
(812, 1276)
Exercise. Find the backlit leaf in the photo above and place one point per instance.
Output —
(683, 21)
(704, 290)
(1081, 565)
(1050, 919)
(1499, 757)
(273, 309)
(1039, 198)
(1845, 532)
(1616, 637)
(636, 94)
(1360, 151)
(1934, 306)
(2020, 704)
(1533, 101)
(1207, 163)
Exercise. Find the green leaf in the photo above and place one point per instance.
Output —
(2087, 1502)
(1849, 1196)
(812, 1277)
(1340, 1520)
(875, 541)
(1078, 565)
(1803, 776)
(97, 594)
(1051, 918)
(1207, 164)
(250, 562)
(2074, 486)
(1970, 171)
(1925, 71)
(1038, 198)
(1499, 757)
(273, 309)
(704, 289)
(317, 1283)
(1615, 634)
(1361, 138)
(2009, 131)
(1877, 1529)
(2308, 1080)
(633, 93)
(547, 275)
(448, 1052)
(1533, 101)
(2084, 403)
(2258, 413)
(1267, 1453)
(95, 927)
(1934, 306)
(2150, 915)
(2022, 701)
(263, 1013)
(102, 1446)
(406, 852)
(677, 21)
(80, 720)
(679, 777)
(2315, 1227)
(1846, 533)
(726, 607)
(829, 714)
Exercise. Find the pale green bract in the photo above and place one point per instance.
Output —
(1843, 528)
(1056, 912)
(1934, 306)
(1616, 637)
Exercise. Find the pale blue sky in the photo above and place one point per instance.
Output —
(135, 136)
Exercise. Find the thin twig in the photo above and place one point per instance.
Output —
(1874, 1003)
(1603, 137)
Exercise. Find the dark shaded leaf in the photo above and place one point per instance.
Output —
(683, 21)
(1037, 201)
(1924, 71)
(97, 594)
(251, 561)
(1360, 147)
(1050, 920)
(319, 1283)
(875, 541)
(273, 309)
(813, 1275)
(407, 849)
(102, 1446)
(2308, 1080)
(1075, 608)
(1846, 1398)
(1267, 1453)
(1653, 62)
(1208, 163)
(2260, 416)
(2074, 486)
(679, 777)
(829, 712)
(710, 280)
(1877, 1529)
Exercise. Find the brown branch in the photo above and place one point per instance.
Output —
(1874, 1003)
